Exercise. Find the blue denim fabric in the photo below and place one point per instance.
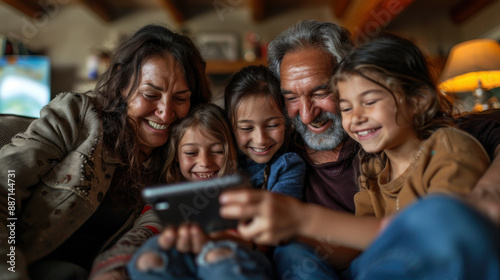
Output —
(297, 260)
(244, 264)
(176, 265)
(438, 237)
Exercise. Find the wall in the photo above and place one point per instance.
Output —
(240, 20)
(484, 24)
(430, 29)
(69, 33)
(68, 36)
(435, 31)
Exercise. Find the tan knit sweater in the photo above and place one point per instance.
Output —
(450, 161)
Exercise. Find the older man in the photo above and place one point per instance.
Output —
(303, 58)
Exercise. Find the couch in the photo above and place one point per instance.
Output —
(10, 125)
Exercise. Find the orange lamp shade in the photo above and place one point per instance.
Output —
(469, 62)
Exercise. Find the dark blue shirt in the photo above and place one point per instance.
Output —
(286, 175)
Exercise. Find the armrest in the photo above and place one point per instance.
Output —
(10, 125)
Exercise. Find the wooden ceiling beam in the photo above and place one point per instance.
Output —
(368, 18)
(258, 9)
(359, 12)
(174, 10)
(340, 7)
(100, 9)
(28, 9)
(465, 9)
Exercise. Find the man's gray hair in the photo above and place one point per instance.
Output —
(330, 37)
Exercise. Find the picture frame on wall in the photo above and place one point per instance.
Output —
(218, 45)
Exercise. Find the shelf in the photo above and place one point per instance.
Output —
(230, 67)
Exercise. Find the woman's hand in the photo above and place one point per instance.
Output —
(266, 218)
(186, 239)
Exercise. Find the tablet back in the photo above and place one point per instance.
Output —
(192, 202)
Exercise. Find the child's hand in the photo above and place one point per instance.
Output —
(186, 239)
(232, 235)
(269, 217)
(385, 223)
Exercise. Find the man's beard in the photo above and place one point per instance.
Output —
(328, 139)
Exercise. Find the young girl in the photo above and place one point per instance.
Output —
(254, 106)
(201, 147)
(390, 105)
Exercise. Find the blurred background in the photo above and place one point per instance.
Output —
(72, 38)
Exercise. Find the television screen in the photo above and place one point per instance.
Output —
(24, 84)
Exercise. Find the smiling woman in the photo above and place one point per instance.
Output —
(253, 105)
(161, 98)
(81, 166)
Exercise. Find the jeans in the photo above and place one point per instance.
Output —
(297, 260)
(438, 237)
(243, 264)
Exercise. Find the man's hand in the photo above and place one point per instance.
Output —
(186, 239)
(265, 217)
(486, 201)
(485, 197)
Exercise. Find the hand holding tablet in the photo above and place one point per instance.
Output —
(193, 202)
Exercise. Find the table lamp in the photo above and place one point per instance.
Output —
(473, 66)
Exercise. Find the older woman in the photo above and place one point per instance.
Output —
(79, 168)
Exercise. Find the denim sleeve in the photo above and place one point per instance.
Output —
(244, 264)
(287, 175)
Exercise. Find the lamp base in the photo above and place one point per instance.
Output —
(491, 103)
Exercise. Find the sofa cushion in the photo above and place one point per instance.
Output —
(10, 125)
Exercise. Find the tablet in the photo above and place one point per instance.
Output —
(192, 202)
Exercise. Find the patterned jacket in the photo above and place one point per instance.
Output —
(61, 173)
